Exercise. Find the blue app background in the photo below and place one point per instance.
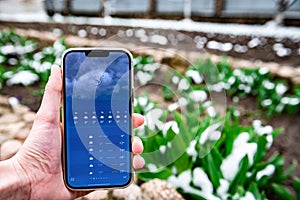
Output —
(97, 119)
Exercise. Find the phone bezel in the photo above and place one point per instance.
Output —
(131, 86)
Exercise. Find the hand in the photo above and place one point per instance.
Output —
(38, 162)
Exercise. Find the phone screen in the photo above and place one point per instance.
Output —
(97, 118)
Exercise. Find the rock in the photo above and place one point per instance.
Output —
(3, 138)
(22, 134)
(286, 72)
(21, 109)
(4, 101)
(296, 80)
(12, 129)
(29, 117)
(9, 148)
(132, 192)
(159, 189)
(9, 118)
(97, 195)
(4, 110)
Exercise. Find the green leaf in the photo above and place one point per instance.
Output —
(253, 188)
(297, 186)
(282, 191)
(240, 177)
(161, 174)
(213, 171)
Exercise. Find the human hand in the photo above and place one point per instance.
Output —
(39, 160)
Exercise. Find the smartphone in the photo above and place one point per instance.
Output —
(97, 123)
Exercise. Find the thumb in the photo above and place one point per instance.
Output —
(50, 107)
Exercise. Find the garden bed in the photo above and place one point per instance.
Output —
(249, 107)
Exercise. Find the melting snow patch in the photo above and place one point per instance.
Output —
(248, 196)
(183, 181)
(23, 77)
(198, 95)
(194, 75)
(152, 119)
(191, 150)
(241, 148)
(13, 102)
(268, 171)
(210, 133)
(159, 39)
(254, 43)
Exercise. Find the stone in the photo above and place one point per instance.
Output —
(22, 134)
(29, 117)
(9, 118)
(296, 80)
(286, 72)
(3, 138)
(4, 101)
(21, 109)
(97, 195)
(9, 148)
(159, 189)
(4, 110)
(12, 129)
(132, 192)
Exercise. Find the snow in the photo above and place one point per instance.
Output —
(195, 76)
(223, 188)
(159, 39)
(173, 106)
(13, 102)
(294, 101)
(268, 85)
(183, 181)
(182, 101)
(143, 77)
(241, 148)
(175, 80)
(143, 101)
(281, 51)
(183, 85)
(206, 27)
(248, 196)
(211, 112)
(268, 171)
(198, 95)
(210, 133)
(152, 119)
(171, 124)
(152, 167)
(201, 180)
(23, 77)
(219, 45)
(162, 149)
(191, 150)
(82, 33)
(254, 43)
(266, 102)
(263, 70)
(240, 48)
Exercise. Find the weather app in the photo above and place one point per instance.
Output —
(97, 110)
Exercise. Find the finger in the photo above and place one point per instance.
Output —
(138, 162)
(138, 120)
(137, 146)
(50, 106)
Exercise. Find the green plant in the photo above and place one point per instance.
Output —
(219, 158)
(273, 95)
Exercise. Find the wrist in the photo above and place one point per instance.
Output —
(14, 183)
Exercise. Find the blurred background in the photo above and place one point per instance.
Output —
(218, 82)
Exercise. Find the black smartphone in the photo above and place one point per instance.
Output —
(97, 110)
